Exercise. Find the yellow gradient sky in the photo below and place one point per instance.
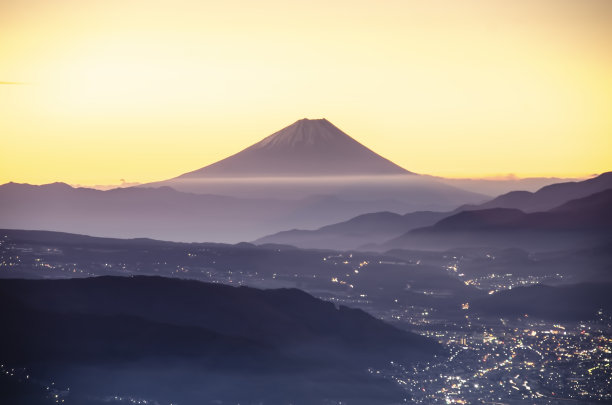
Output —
(96, 91)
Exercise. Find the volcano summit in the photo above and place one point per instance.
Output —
(312, 157)
(304, 148)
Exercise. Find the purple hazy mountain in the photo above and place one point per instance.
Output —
(550, 196)
(577, 223)
(304, 148)
(373, 228)
(165, 213)
(362, 230)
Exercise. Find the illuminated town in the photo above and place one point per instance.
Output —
(489, 360)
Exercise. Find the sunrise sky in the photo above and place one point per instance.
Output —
(96, 91)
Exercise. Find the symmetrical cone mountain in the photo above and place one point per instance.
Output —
(304, 148)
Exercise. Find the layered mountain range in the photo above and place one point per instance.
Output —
(122, 319)
(312, 157)
(579, 223)
(306, 175)
(571, 207)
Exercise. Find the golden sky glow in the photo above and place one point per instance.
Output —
(96, 91)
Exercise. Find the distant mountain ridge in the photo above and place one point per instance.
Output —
(581, 222)
(591, 212)
(548, 197)
(308, 147)
(165, 213)
(365, 231)
(498, 186)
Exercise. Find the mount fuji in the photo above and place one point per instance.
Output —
(312, 157)
(305, 148)
(306, 175)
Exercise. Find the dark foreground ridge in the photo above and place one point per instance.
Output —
(194, 342)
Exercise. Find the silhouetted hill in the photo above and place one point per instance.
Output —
(568, 302)
(282, 316)
(549, 196)
(591, 205)
(363, 229)
(125, 323)
(582, 222)
(503, 185)
(480, 219)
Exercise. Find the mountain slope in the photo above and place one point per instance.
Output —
(549, 196)
(273, 317)
(592, 212)
(499, 186)
(582, 222)
(191, 342)
(368, 229)
(361, 230)
(313, 158)
(304, 148)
